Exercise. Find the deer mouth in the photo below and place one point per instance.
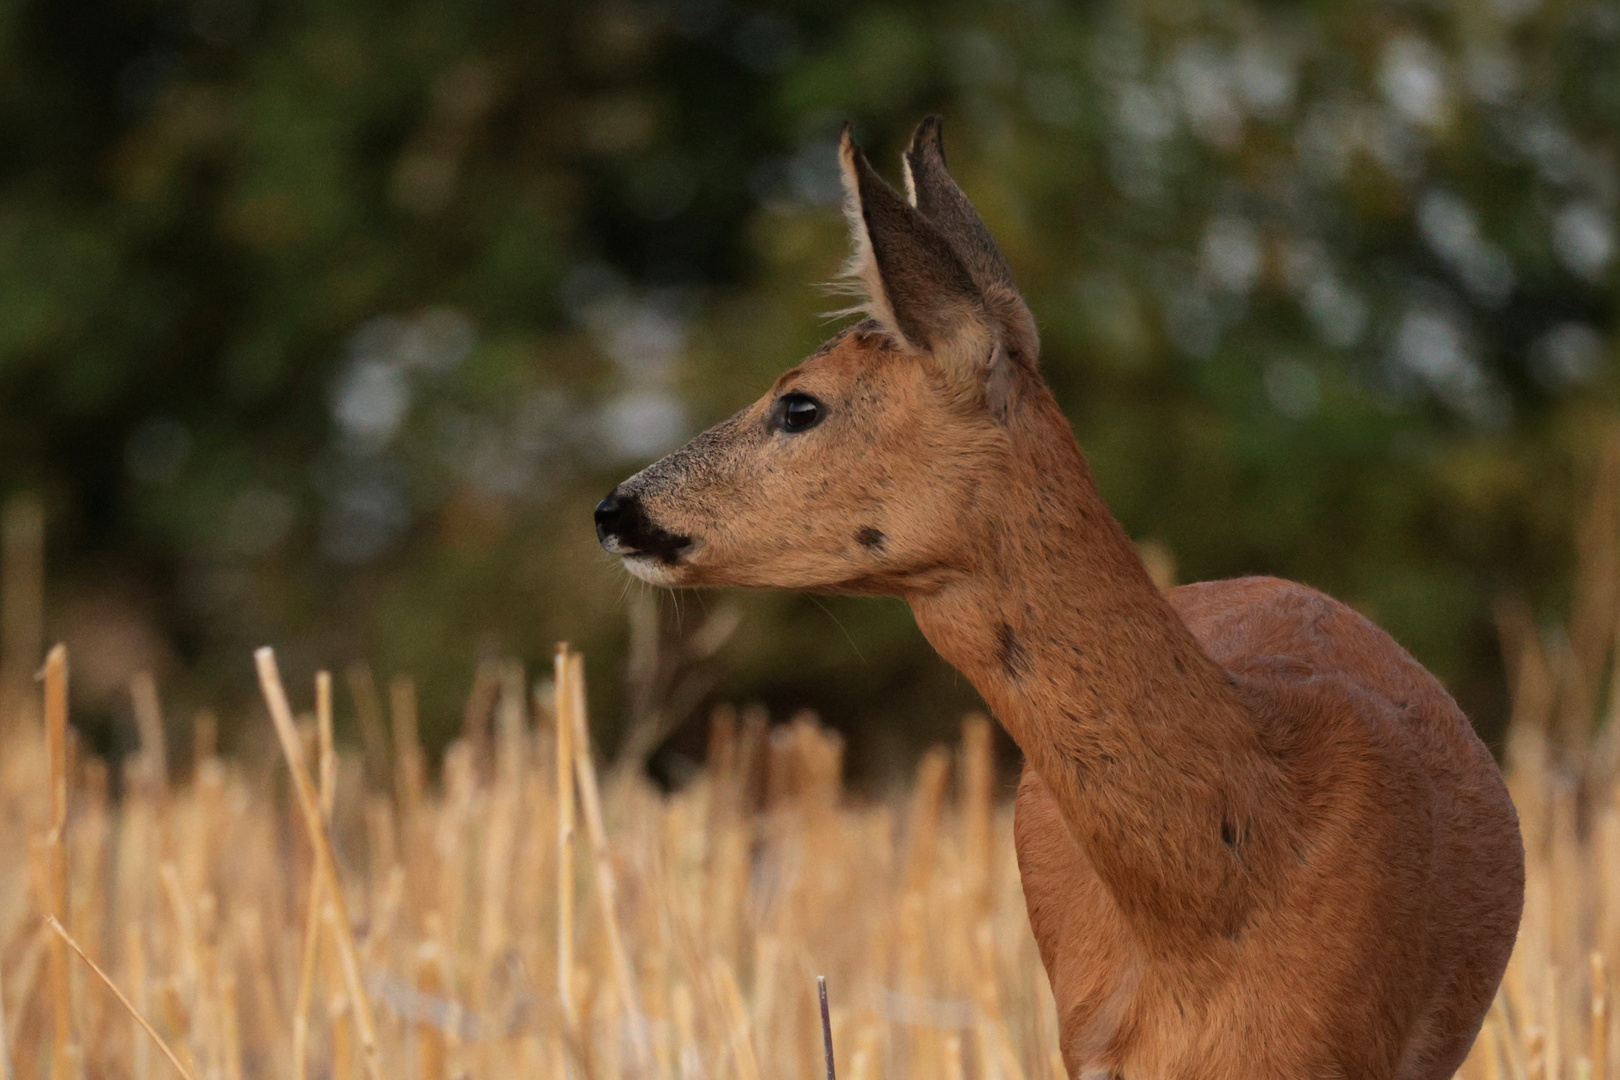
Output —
(624, 529)
(657, 570)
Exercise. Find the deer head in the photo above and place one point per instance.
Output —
(866, 467)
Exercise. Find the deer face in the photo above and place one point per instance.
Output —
(862, 469)
(847, 475)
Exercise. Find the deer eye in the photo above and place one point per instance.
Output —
(800, 412)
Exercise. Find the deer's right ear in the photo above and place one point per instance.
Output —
(907, 274)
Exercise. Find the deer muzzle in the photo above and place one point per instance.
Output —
(624, 529)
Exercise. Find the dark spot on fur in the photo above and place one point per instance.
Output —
(1181, 669)
(1229, 835)
(871, 539)
(1014, 661)
(1107, 759)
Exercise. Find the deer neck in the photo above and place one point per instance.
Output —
(1140, 737)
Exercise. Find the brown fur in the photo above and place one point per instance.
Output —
(1257, 839)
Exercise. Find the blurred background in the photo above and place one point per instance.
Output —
(326, 324)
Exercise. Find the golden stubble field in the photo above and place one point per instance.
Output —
(525, 915)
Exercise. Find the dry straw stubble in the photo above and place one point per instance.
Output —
(384, 925)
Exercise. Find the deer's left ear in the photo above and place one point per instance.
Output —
(937, 197)
(910, 278)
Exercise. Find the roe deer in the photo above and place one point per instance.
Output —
(1256, 838)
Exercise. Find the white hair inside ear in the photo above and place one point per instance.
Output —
(860, 276)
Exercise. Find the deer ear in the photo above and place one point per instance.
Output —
(930, 188)
(909, 276)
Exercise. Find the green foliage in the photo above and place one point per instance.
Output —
(326, 324)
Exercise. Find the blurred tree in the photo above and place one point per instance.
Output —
(326, 324)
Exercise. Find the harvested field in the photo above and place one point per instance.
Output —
(524, 916)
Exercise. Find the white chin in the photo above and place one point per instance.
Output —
(650, 569)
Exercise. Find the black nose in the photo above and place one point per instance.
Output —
(622, 518)
(609, 514)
